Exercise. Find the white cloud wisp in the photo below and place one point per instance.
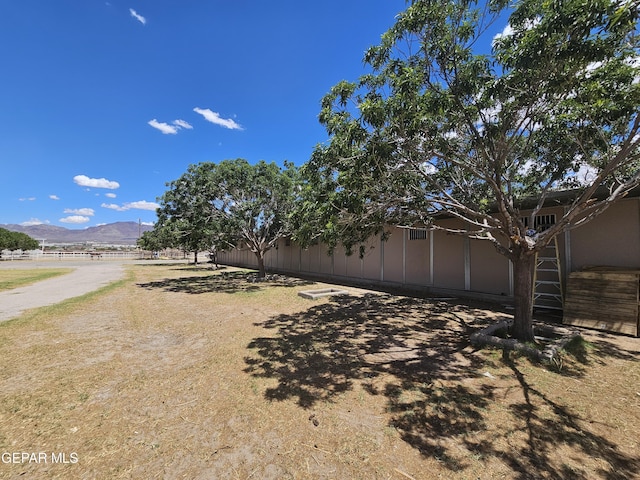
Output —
(170, 129)
(137, 16)
(182, 124)
(75, 219)
(85, 181)
(216, 119)
(139, 205)
(163, 127)
(86, 212)
(33, 221)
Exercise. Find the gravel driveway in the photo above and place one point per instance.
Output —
(85, 278)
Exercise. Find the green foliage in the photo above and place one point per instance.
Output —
(218, 206)
(159, 238)
(16, 241)
(439, 127)
(184, 217)
(252, 203)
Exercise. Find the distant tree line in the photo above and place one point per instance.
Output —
(218, 206)
(16, 241)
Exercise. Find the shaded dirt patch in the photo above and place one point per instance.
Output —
(318, 353)
(439, 393)
(223, 282)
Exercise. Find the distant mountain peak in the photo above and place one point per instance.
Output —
(118, 233)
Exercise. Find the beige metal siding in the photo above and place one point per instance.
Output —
(353, 265)
(417, 260)
(488, 269)
(304, 259)
(371, 260)
(448, 261)
(393, 257)
(326, 261)
(340, 262)
(611, 239)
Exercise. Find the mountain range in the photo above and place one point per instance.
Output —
(119, 233)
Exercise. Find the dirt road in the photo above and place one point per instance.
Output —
(85, 278)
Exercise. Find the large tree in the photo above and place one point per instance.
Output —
(10, 240)
(465, 116)
(157, 239)
(184, 215)
(252, 203)
(217, 206)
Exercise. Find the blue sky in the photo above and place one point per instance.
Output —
(103, 102)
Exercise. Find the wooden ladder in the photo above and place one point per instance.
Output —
(547, 278)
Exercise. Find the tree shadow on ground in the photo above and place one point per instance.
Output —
(163, 264)
(201, 267)
(318, 353)
(416, 353)
(546, 433)
(412, 351)
(223, 282)
(604, 346)
(593, 348)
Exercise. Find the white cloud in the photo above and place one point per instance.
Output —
(527, 167)
(163, 127)
(506, 32)
(450, 135)
(32, 221)
(139, 205)
(110, 195)
(428, 168)
(54, 197)
(170, 129)
(634, 62)
(182, 124)
(88, 212)
(113, 206)
(27, 199)
(137, 16)
(85, 181)
(215, 118)
(585, 175)
(591, 68)
(148, 224)
(142, 205)
(77, 219)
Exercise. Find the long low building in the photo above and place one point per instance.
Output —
(437, 262)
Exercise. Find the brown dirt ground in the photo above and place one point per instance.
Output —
(181, 372)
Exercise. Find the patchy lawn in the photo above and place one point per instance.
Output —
(13, 278)
(182, 372)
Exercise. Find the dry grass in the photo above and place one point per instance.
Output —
(13, 278)
(180, 372)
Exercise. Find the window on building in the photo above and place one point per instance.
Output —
(418, 234)
(541, 222)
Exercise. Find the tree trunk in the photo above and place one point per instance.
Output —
(261, 270)
(195, 257)
(523, 267)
